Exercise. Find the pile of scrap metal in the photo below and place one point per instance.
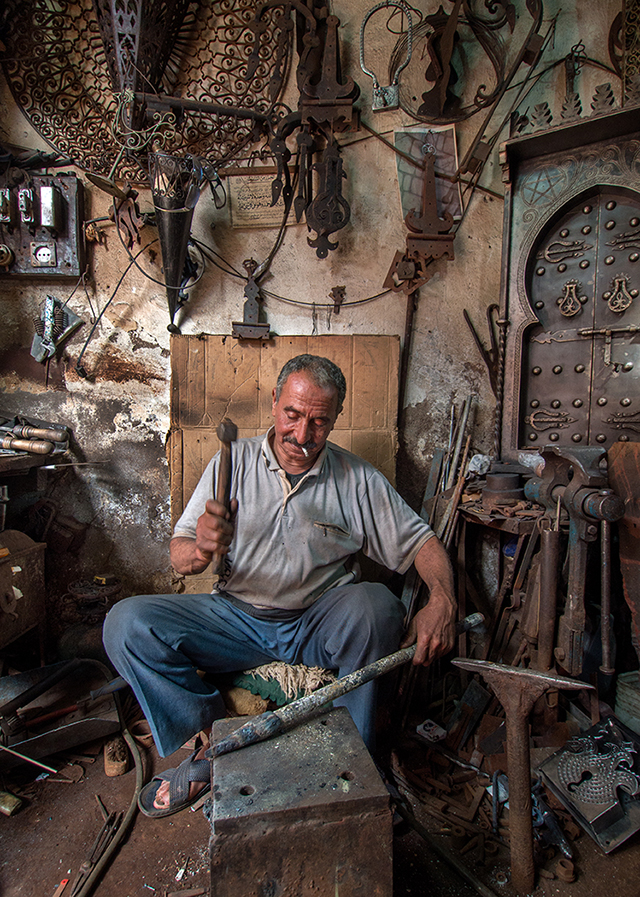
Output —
(539, 732)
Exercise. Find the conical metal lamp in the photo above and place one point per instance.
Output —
(175, 188)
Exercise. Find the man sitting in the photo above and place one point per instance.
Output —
(300, 510)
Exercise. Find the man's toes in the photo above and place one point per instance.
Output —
(161, 799)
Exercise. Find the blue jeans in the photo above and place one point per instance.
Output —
(158, 642)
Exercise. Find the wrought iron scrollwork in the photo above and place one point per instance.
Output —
(66, 68)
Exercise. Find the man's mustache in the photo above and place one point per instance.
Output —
(307, 447)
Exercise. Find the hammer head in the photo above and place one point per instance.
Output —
(227, 431)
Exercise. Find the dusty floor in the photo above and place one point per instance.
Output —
(49, 838)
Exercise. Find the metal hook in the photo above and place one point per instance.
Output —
(387, 98)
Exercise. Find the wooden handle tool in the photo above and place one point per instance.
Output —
(35, 446)
(227, 433)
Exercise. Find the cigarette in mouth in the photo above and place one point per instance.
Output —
(304, 451)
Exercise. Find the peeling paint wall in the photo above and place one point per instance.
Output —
(119, 413)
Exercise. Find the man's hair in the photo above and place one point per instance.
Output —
(325, 374)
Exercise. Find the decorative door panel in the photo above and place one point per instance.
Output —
(570, 293)
(581, 362)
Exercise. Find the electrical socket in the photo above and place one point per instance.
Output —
(43, 255)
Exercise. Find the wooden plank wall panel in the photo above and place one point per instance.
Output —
(232, 382)
(192, 411)
(370, 375)
(216, 376)
(174, 457)
(273, 356)
(338, 349)
(378, 447)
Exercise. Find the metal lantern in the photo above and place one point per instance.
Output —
(175, 188)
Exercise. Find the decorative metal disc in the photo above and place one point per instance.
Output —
(58, 71)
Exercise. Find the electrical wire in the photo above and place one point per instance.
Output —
(324, 304)
(229, 269)
(79, 369)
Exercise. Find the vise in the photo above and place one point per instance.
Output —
(572, 477)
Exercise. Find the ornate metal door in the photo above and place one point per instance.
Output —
(581, 362)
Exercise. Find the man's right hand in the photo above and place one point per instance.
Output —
(214, 532)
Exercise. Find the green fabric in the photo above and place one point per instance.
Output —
(269, 689)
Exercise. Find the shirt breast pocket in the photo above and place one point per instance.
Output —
(332, 543)
(332, 530)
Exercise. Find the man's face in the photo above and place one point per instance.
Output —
(304, 416)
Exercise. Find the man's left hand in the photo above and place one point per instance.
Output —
(433, 629)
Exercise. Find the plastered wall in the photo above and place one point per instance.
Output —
(119, 414)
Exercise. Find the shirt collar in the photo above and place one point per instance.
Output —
(273, 463)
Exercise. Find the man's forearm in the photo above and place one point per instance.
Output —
(434, 568)
(186, 558)
(432, 627)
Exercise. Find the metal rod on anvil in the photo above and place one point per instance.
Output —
(273, 722)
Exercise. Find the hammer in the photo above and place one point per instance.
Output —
(227, 433)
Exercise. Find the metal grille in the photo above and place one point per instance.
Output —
(61, 65)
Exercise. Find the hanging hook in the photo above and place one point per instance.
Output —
(387, 98)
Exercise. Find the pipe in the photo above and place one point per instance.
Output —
(549, 559)
(605, 597)
(96, 872)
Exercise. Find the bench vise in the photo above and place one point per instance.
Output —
(573, 478)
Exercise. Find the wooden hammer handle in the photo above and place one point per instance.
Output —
(50, 434)
(222, 492)
(35, 446)
(227, 433)
(223, 489)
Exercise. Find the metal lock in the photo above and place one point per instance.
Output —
(388, 97)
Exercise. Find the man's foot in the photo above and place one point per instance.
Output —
(162, 798)
(175, 789)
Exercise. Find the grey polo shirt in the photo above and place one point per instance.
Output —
(291, 544)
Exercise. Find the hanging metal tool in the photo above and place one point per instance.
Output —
(251, 327)
(430, 238)
(175, 188)
(489, 356)
(328, 211)
(387, 98)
